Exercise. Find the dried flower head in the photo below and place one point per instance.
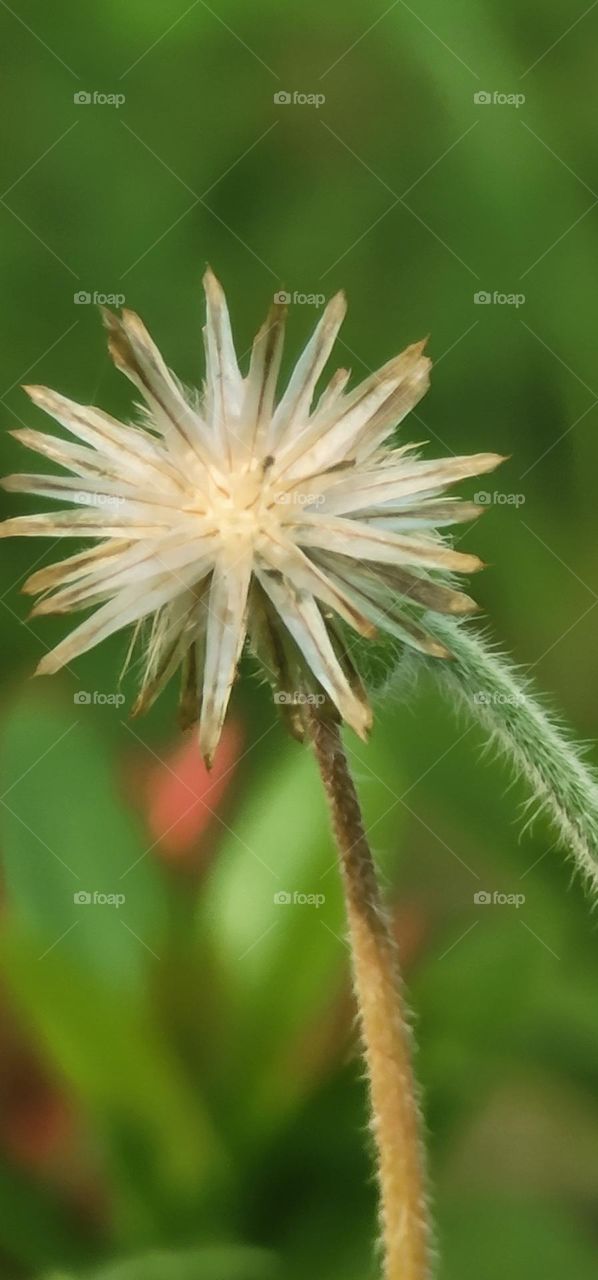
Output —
(226, 515)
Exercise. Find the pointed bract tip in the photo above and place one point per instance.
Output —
(463, 562)
(35, 392)
(46, 667)
(438, 650)
(109, 318)
(465, 606)
(409, 363)
(42, 607)
(212, 286)
(277, 314)
(337, 306)
(364, 729)
(360, 718)
(489, 461)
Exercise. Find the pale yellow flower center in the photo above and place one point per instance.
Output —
(243, 506)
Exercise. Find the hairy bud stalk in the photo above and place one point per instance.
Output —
(488, 687)
(395, 1119)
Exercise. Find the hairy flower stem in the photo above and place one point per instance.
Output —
(561, 784)
(386, 1036)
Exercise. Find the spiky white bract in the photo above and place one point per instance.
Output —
(229, 516)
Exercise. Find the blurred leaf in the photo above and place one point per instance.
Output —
(79, 970)
(516, 1239)
(275, 921)
(227, 1263)
(67, 838)
(274, 911)
(35, 1225)
(533, 1134)
(159, 1148)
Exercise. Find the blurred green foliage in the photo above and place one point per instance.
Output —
(200, 1036)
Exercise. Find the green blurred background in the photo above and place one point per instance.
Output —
(180, 1071)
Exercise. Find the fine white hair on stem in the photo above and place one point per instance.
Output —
(406, 1235)
(562, 785)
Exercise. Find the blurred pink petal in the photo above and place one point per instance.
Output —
(183, 795)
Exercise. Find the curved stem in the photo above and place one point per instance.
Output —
(395, 1119)
(561, 782)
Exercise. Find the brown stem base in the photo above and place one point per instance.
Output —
(386, 1038)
